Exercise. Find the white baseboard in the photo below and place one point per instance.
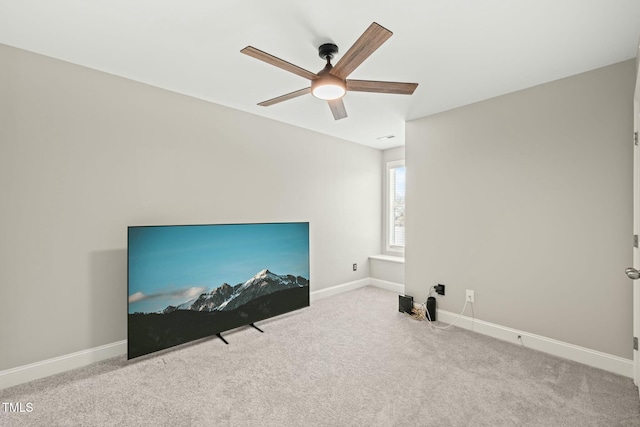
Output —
(44, 368)
(597, 359)
(338, 289)
(390, 286)
(350, 286)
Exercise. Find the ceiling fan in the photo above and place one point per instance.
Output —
(331, 83)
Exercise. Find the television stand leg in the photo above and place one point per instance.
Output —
(251, 324)
(223, 340)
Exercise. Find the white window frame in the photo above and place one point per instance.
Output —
(388, 212)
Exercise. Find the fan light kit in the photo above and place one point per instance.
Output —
(328, 91)
(327, 86)
(331, 83)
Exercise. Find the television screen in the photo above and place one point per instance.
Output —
(187, 282)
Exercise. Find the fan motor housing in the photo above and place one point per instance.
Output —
(327, 50)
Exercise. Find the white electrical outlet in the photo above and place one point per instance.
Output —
(470, 295)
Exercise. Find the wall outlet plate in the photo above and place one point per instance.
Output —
(470, 296)
(439, 289)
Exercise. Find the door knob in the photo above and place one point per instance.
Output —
(632, 273)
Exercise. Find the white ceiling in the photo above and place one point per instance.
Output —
(459, 51)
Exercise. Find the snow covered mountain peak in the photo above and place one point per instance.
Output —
(262, 273)
(226, 297)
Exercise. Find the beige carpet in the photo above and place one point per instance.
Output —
(349, 360)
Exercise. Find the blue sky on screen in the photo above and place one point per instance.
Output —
(169, 265)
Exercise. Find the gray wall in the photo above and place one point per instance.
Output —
(527, 199)
(387, 270)
(84, 154)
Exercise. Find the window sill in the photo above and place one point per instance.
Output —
(389, 258)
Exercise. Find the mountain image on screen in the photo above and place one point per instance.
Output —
(227, 297)
(226, 307)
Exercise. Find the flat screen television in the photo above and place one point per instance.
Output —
(187, 282)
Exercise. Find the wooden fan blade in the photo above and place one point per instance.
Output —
(270, 59)
(337, 108)
(286, 97)
(381, 87)
(368, 42)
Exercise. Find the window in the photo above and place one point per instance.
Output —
(395, 198)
